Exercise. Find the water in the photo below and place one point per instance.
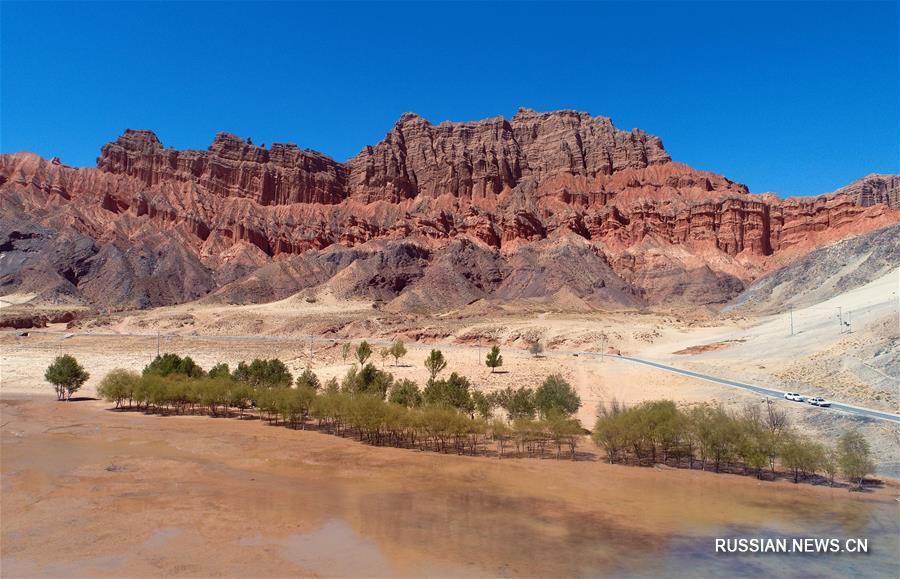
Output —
(90, 492)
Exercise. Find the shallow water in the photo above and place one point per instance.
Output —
(90, 492)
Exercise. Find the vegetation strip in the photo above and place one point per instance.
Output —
(450, 415)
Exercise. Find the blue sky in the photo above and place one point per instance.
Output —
(794, 98)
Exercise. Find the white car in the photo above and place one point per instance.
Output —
(793, 396)
(819, 402)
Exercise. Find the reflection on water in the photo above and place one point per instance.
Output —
(332, 550)
(212, 499)
(161, 537)
(698, 554)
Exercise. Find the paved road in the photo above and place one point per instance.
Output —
(865, 412)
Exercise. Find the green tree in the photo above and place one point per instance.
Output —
(435, 363)
(829, 466)
(518, 403)
(536, 348)
(398, 350)
(240, 396)
(556, 395)
(800, 456)
(452, 392)
(609, 430)
(385, 353)
(483, 404)
(308, 379)
(406, 393)
(345, 350)
(166, 364)
(367, 380)
(494, 360)
(264, 373)
(332, 386)
(118, 386)
(563, 431)
(66, 375)
(363, 352)
(854, 457)
(220, 370)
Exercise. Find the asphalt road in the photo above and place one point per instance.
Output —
(865, 412)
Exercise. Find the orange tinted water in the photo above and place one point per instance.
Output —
(86, 491)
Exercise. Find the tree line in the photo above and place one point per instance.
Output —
(753, 441)
(449, 415)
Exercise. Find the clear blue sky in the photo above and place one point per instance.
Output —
(794, 98)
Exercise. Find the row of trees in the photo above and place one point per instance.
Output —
(434, 363)
(442, 417)
(274, 373)
(753, 440)
(364, 351)
(554, 396)
(450, 414)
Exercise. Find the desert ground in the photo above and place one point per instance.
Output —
(858, 365)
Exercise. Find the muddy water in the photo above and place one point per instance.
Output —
(86, 491)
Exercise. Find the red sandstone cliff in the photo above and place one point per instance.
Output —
(162, 226)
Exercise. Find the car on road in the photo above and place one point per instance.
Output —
(819, 402)
(793, 396)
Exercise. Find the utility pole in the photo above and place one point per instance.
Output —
(309, 365)
(792, 319)
(157, 343)
(849, 321)
(840, 319)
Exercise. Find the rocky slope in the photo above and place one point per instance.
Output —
(825, 272)
(560, 207)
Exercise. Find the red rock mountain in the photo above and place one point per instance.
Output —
(554, 207)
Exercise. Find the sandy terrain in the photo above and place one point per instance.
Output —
(128, 494)
(819, 359)
(25, 358)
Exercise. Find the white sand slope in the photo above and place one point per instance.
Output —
(847, 346)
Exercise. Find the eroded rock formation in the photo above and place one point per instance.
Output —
(874, 189)
(539, 206)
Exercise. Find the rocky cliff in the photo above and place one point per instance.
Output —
(486, 158)
(232, 167)
(539, 206)
(874, 189)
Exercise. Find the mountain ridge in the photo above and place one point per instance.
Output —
(647, 227)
